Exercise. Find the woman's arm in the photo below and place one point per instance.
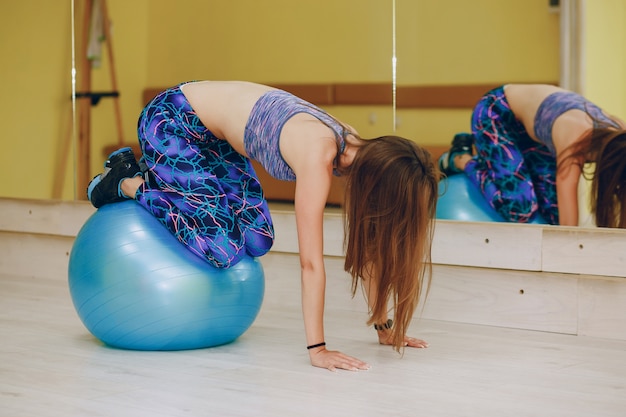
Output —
(311, 194)
(566, 131)
(567, 194)
(313, 169)
(309, 224)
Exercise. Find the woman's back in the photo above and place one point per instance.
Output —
(525, 100)
(224, 106)
(567, 127)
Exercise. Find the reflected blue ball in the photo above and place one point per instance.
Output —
(459, 199)
(135, 286)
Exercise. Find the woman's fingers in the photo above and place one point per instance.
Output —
(416, 343)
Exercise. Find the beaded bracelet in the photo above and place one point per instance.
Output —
(316, 345)
(384, 326)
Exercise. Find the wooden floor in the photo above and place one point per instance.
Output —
(51, 366)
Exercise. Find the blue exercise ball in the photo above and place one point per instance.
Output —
(460, 199)
(135, 286)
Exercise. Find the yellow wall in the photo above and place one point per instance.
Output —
(477, 41)
(269, 41)
(471, 42)
(36, 105)
(35, 52)
(162, 42)
(605, 60)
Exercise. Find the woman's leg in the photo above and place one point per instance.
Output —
(200, 188)
(244, 193)
(542, 167)
(498, 168)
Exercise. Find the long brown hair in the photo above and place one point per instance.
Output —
(605, 145)
(390, 202)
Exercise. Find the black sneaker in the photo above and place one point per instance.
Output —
(105, 188)
(461, 144)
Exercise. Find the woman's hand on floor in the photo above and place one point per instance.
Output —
(385, 339)
(333, 360)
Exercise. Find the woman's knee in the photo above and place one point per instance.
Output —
(222, 253)
(518, 209)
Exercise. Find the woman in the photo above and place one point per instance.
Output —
(532, 142)
(196, 141)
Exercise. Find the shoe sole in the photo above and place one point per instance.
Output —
(93, 184)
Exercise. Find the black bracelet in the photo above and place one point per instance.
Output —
(316, 346)
(384, 326)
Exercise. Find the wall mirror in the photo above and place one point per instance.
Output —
(454, 51)
(350, 43)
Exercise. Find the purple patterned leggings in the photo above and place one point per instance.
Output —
(200, 188)
(516, 175)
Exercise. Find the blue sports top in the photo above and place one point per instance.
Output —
(555, 105)
(267, 118)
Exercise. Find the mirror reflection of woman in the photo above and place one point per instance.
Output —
(197, 140)
(532, 142)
